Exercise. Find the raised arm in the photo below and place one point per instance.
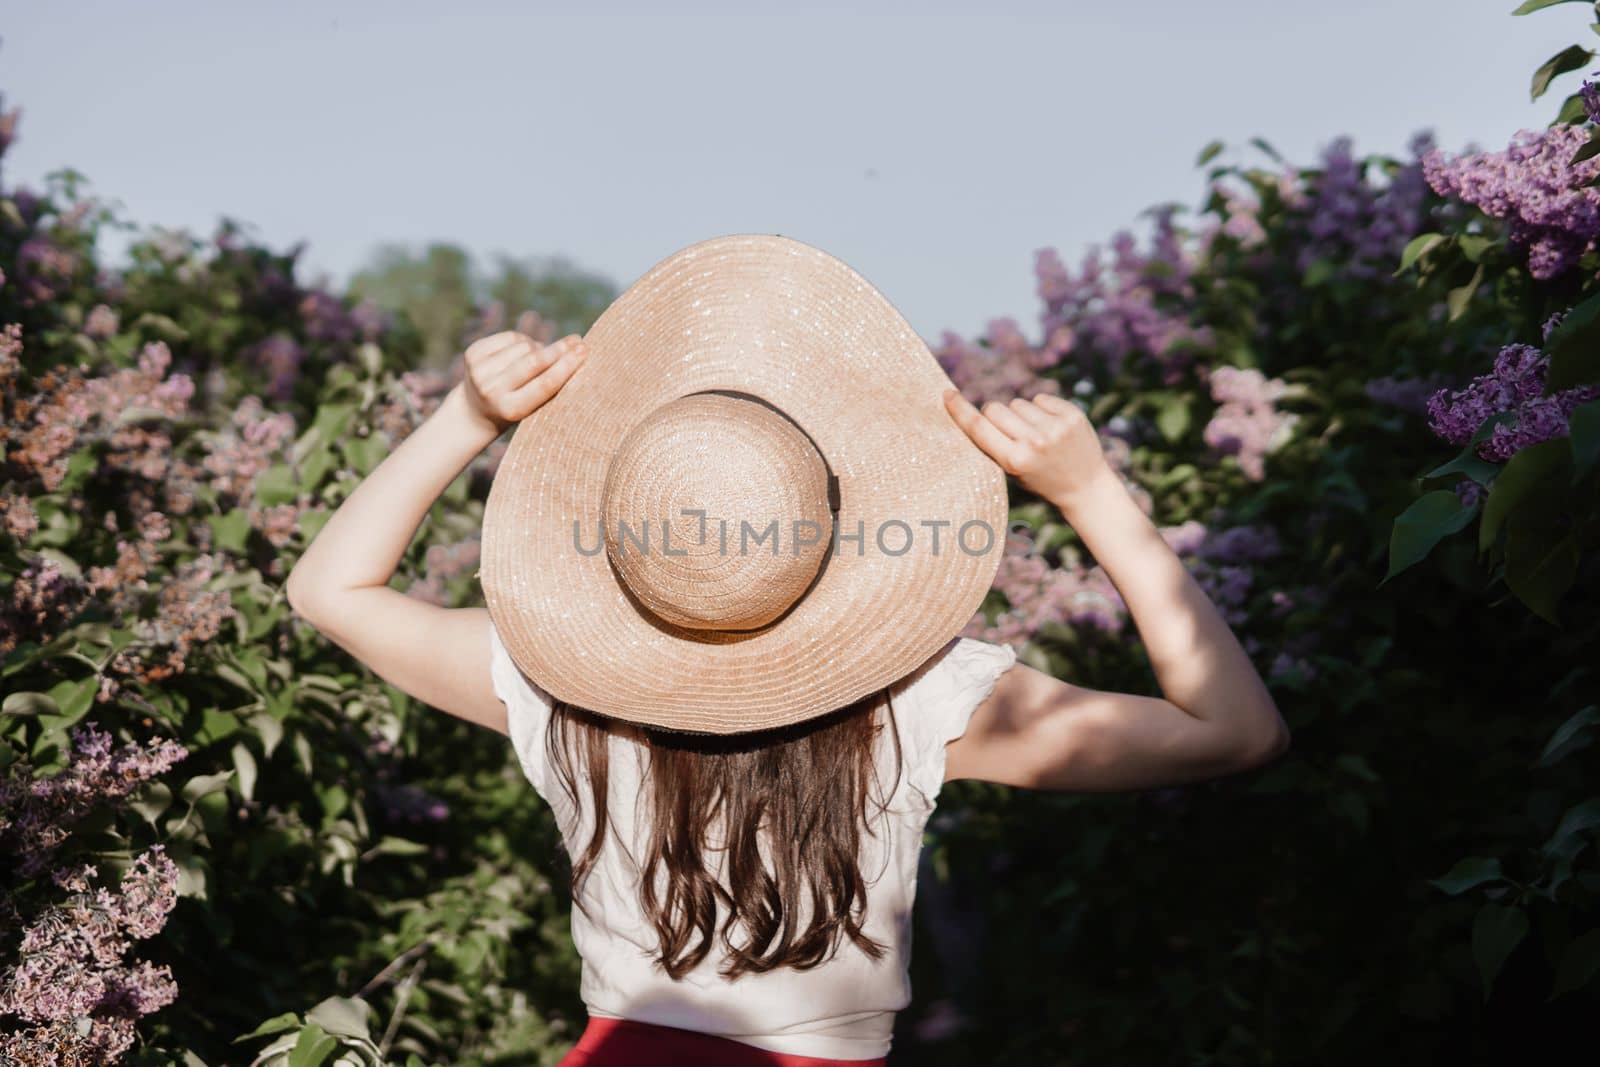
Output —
(341, 583)
(1216, 716)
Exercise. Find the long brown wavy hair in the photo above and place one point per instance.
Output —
(805, 786)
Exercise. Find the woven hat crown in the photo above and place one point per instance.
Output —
(767, 384)
(715, 512)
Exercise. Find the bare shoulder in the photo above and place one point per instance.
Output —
(1000, 740)
(1039, 732)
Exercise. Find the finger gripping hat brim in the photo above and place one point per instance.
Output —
(786, 322)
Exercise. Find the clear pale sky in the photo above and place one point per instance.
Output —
(931, 147)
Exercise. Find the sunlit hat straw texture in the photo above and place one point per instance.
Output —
(660, 543)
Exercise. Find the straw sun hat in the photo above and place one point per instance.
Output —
(748, 508)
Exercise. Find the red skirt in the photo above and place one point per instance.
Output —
(628, 1043)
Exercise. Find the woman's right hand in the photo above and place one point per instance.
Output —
(510, 375)
(1047, 443)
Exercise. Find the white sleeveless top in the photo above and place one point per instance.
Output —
(843, 1008)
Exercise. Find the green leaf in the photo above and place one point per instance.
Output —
(1418, 247)
(203, 784)
(399, 846)
(1468, 461)
(275, 1025)
(1430, 518)
(1541, 565)
(74, 699)
(1469, 874)
(1496, 932)
(345, 1016)
(311, 522)
(1532, 470)
(364, 453)
(371, 357)
(1587, 150)
(315, 467)
(1574, 348)
(1208, 153)
(1475, 467)
(231, 532)
(29, 704)
(332, 420)
(1568, 736)
(1473, 246)
(1569, 58)
(1530, 6)
(244, 764)
(269, 731)
(1272, 153)
(1457, 299)
(1572, 111)
(1173, 417)
(334, 800)
(1580, 818)
(1583, 433)
(1317, 272)
(250, 662)
(216, 725)
(152, 800)
(162, 326)
(276, 485)
(1580, 962)
(313, 1048)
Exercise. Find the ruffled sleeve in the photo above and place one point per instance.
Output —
(938, 704)
(528, 710)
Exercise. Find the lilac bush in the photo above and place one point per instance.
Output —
(1264, 383)
(171, 435)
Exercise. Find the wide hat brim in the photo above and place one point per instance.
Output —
(786, 322)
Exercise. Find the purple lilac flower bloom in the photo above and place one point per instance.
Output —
(370, 320)
(1515, 384)
(1241, 544)
(1247, 423)
(1117, 314)
(1407, 394)
(326, 319)
(37, 814)
(1550, 212)
(1005, 367)
(280, 356)
(1590, 93)
(1360, 225)
(75, 995)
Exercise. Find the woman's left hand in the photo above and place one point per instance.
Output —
(510, 375)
